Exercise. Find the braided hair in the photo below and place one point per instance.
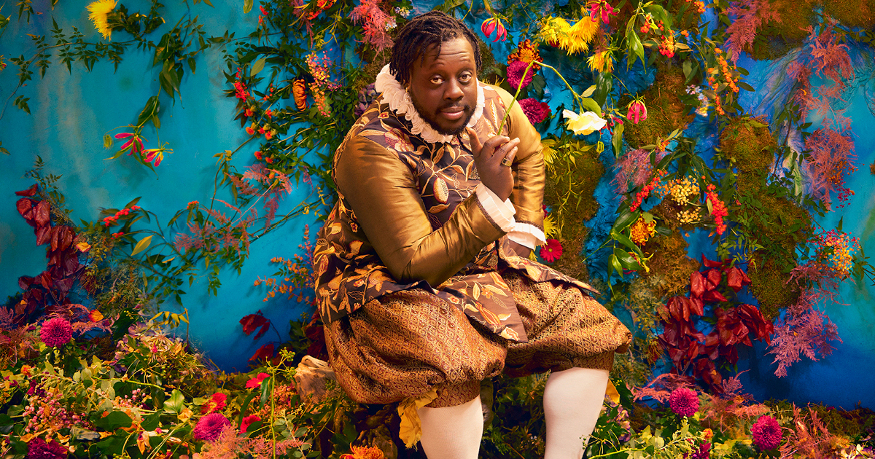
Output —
(422, 33)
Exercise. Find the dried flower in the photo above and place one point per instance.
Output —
(684, 402)
(515, 73)
(56, 332)
(551, 251)
(210, 426)
(40, 449)
(766, 433)
(535, 111)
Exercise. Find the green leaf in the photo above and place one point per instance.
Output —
(247, 6)
(113, 420)
(615, 264)
(591, 105)
(623, 239)
(635, 47)
(625, 219)
(142, 245)
(175, 403)
(257, 66)
(617, 140)
(150, 110)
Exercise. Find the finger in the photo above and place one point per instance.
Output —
(501, 152)
(476, 146)
(508, 158)
(494, 144)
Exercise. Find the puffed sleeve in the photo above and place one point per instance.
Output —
(528, 189)
(383, 194)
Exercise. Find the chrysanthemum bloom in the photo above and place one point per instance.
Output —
(99, 11)
(210, 426)
(554, 31)
(526, 52)
(766, 433)
(40, 449)
(364, 452)
(684, 402)
(515, 74)
(580, 35)
(56, 332)
(535, 111)
(551, 251)
(256, 381)
(583, 123)
(601, 61)
(247, 421)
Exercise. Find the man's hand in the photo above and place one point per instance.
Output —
(492, 159)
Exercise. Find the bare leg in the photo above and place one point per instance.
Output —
(452, 432)
(572, 403)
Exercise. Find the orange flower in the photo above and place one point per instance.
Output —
(299, 90)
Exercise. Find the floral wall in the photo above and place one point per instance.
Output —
(221, 125)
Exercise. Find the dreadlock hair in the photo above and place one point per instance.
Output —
(422, 33)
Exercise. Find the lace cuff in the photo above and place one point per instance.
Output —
(499, 212)
(527, 235)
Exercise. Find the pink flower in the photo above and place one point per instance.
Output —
(210, 426)
(551, 251)
(256, 381)
(56, 332)
(135, 142)
(684, 402)
(494, 24)
(637, 112)
(215, 403)
(154, 154)
(515, 74)
(247, 421)
(535, 111)
(766, 433)
(40, 449)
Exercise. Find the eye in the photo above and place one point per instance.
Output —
(436, 80)
(466, 78)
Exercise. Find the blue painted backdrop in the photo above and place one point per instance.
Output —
(71, 112)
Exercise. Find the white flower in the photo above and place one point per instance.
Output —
(584, 123)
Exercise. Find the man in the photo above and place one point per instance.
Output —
(423, 277)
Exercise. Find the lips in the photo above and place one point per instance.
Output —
(453, 112)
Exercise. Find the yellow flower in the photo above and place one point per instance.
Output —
(601, 62)
(555, 31)
(584, 123)
(99, 11)
(580, 35)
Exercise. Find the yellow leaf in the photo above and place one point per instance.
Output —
(612, 393)
(83, 246)
(142, 245)
(411, 430)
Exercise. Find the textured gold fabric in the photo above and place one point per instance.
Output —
(406, 342)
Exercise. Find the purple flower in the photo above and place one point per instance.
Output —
(515, 74)
(766, 433)
(535, 111)
(683, 401)
(40, 449)
(704, 451)
(210, 426)
(56, 332)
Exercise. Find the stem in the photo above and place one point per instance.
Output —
(518, 89)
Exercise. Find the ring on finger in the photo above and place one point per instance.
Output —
(507, 161)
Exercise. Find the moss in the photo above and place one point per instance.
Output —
(665, 109)
(670, 267)
(776, 38)
(748, 147)
(852, 14)
(769, 284)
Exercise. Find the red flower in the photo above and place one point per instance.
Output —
(515, 74)
(494, 24)
(38, 448)
(247, 421)
(135, 142)
(535, 111)
(256, 381)
(684, 402)
(210, 426)
(551, 251)
(215, 403)
(637, 112)
(56, 332)
(766, 433)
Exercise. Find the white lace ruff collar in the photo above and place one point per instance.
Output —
(399, 100)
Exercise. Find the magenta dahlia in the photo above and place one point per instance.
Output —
(683, 401)
(535, 111)
(210, 426)
(56, 332)
(38, 448)
(766, 433)
(515, 74)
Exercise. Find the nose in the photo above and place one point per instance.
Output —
(453, 91)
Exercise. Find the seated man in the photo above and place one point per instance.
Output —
(423, 277)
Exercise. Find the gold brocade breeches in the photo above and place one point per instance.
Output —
(404, 343)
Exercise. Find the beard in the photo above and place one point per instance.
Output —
(431, 118)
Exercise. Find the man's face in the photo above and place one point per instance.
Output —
(444, 87)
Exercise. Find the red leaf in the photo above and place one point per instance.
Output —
(736, 278)
(53, 237)
(25, 208)
(24, 282)
(713, 278)
(263, 353)
(43, 234)
(253, 321)
(697, 284)
(28, 192)
(711, 263)
(65, 239)
(42, 214)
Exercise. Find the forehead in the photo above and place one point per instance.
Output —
(455, 52)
